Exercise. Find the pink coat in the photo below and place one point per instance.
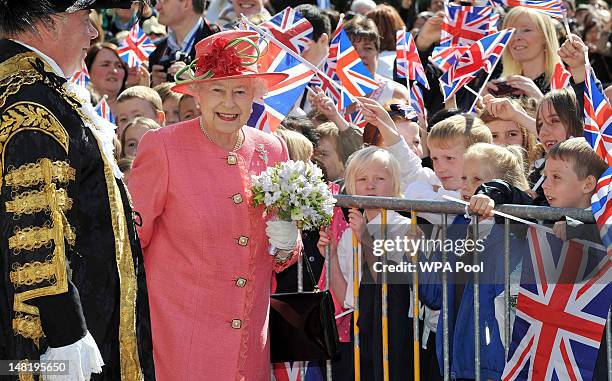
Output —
(206, 252)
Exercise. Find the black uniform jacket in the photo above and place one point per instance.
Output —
(69, 254)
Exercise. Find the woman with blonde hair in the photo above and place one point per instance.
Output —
(530, 57)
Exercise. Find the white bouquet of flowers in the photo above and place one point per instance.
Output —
(296, 192)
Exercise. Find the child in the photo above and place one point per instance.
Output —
(170, 101)
(373, 171)
(298, 146)
(406, 125)
(188, 108)
(447, 141)
(482, 162)
(558, 118)
(572, 169)
(138, 101)
(329, 151)
(511, 124)
(133, 133)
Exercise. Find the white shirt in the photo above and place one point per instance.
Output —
(397, 226)
(411, 167)
(386, 60)
(421, 190)
(56, 68)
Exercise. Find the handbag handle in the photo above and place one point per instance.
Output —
(310, 273)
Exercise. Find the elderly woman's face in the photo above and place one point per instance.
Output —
(226, 104)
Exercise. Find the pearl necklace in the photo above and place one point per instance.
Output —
(239, 141)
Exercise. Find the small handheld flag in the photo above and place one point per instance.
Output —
(136, 48)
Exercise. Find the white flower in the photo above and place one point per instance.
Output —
(296, 191)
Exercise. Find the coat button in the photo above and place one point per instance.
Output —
(243, 240)
(236, 323)
(237, 198)
(232, 159)
(241, 282)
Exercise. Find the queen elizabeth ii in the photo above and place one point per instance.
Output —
(208, 254)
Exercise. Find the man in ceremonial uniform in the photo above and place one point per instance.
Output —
(73, 278)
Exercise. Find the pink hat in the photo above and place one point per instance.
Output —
(225, 55)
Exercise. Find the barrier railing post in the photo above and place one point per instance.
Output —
(328, 363)
(385, 293)
(609, 345)
(415, 307)
(507, 327)
(476, 307)
(356, 274)
(300, 288)
(445, 338)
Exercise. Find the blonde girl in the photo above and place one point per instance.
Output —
(373, 171)
(484, 162)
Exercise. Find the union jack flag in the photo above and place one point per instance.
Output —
(281, 97)
(136, 48)
(560, 78)
(597, 117)
(493, 21)
(483, 54)
(353, 74)
(81, 77)
(338, 93)
(259, 116)
(463, 25)
(291, 372)
(408, 62)
(563, 302)
(103, 109)
(445, 57)
(601, 205)
(291, 29)
(341, 97)
(356, 118)
(551, 8)
(292, 33)
(417, 102)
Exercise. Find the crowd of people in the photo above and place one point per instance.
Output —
(185, 158)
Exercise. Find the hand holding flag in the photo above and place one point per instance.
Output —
(483, 54)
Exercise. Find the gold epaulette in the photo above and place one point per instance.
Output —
(30, 116)
(16, 72)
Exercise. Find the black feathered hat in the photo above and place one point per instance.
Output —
(20, 15)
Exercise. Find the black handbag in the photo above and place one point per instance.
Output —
(303, 325)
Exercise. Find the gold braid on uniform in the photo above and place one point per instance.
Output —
(48, 275)
(16, 72)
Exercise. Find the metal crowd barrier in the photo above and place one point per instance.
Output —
(445, 208)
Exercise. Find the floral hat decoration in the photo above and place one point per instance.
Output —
(224, 55)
